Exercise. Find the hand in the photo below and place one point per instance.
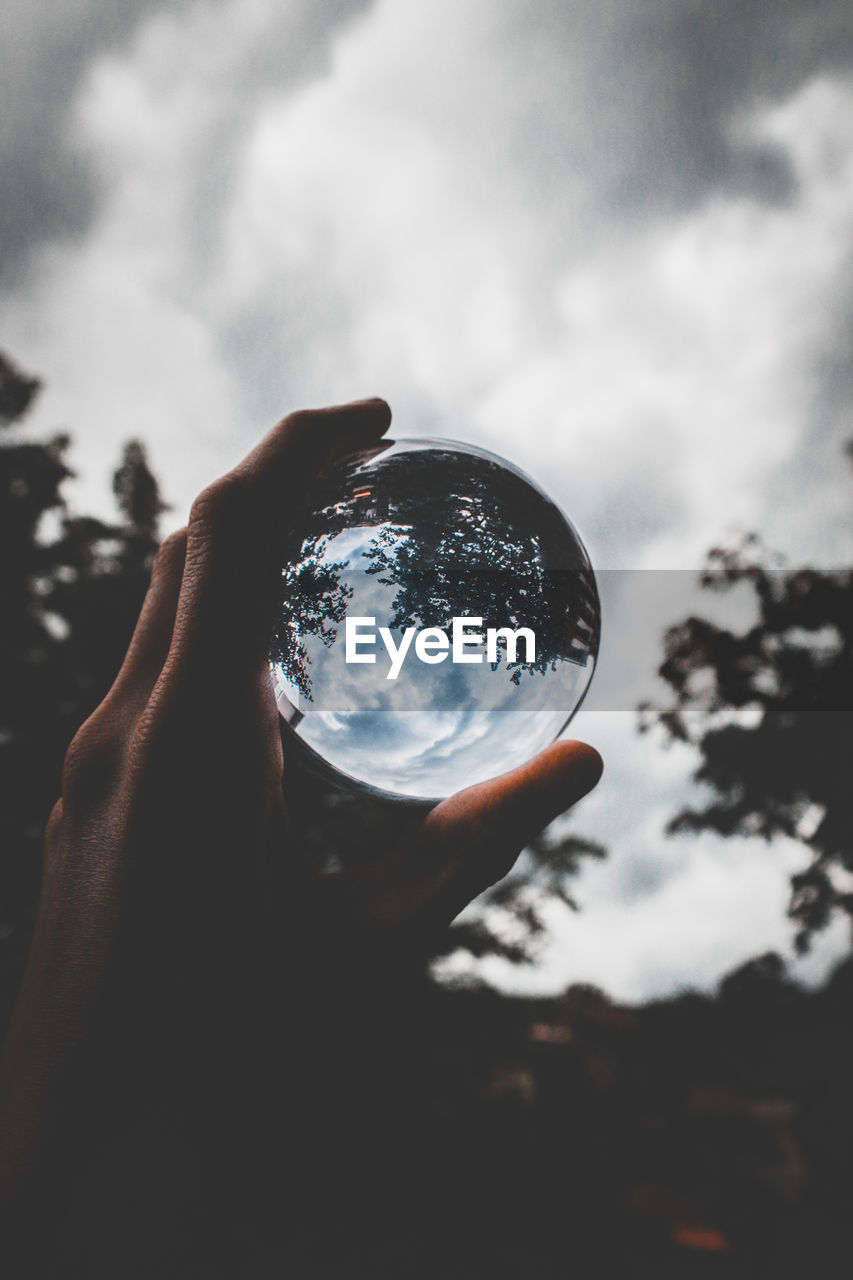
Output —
(178, 917)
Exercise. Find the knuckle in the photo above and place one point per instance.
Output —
(220, 502)
(171, 549)
(306, 433)
(90, 763)
(300, 421)
(54, 823)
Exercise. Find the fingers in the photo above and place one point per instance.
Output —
(297, 447)
(152, 635)
(148, 649)
(236, 533)
(517, 805)
(96, 751)
(480, 832)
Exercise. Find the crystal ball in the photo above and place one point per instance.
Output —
(439, 620)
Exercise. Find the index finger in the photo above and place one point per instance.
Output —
(236, 531)
(305, 441)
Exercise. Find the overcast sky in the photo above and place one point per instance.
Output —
(611, 241)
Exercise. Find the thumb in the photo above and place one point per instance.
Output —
(472, 839)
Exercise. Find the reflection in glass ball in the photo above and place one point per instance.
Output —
(439, 621)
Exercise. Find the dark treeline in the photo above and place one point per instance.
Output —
(70, 591)
(688, 1138)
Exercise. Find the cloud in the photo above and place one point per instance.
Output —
(726, 905)
(661, 915)
(52, 184)
(666, 81)
(423, 201)
(406, 244)
(49, 191)
(124, 316)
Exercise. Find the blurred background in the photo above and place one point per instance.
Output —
(613, 243)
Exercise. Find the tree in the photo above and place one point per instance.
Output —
(510, 922)
(70, 590)
(770, 711)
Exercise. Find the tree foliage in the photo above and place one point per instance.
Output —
(770, 710)
(70, 590)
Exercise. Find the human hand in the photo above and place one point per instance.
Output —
(175, 900)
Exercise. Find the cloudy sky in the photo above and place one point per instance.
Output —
(611, 241)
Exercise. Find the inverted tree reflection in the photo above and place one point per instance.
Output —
(454, 535)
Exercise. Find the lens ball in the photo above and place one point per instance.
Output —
(439, 620)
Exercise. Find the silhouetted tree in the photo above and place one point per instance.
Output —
(511, 921)
(770, 710)
(70, 591)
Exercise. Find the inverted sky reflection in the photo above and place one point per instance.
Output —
(413, 535)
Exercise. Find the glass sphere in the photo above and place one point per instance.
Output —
(439, 620)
